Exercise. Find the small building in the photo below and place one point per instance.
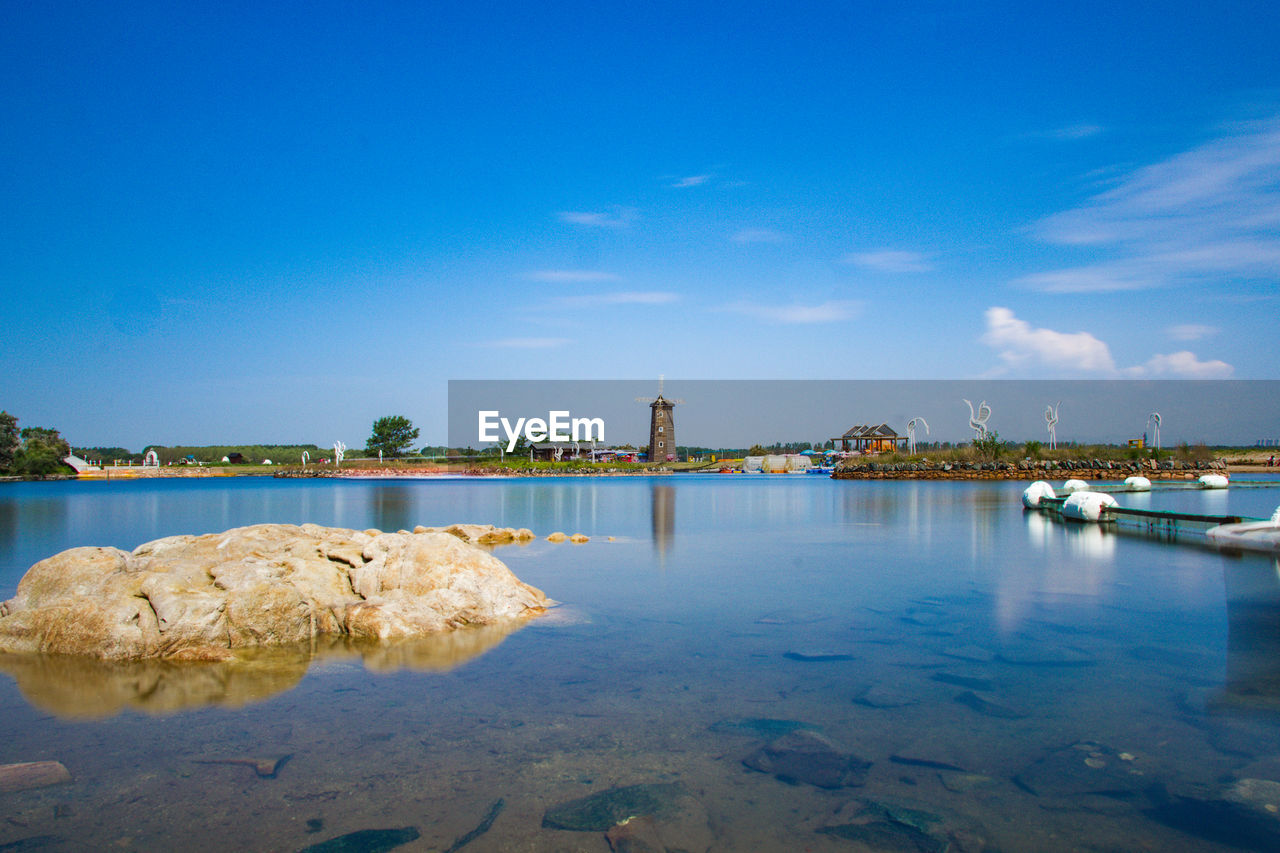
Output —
(234, 458)
(870, 439)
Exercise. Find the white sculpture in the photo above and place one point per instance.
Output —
(911, 433)
(1051, 418)
(306, 457)
(151, 460)
(978, 422)
(1154, 418)
(338, 450)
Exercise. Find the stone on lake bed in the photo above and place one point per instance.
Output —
(956, 679)
(885, 697)
(761, 727)
(805, 756)
(1046, 657)
(366, 841)
(32, 774)
(817, 656)
(602, 811)
(988, 708)
(199, 598)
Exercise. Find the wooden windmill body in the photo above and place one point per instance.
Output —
(662, 426)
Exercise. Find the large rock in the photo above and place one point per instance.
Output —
(201, 597)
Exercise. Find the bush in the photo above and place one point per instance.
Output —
(989, 446)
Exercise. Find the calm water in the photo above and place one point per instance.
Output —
(1100, 676)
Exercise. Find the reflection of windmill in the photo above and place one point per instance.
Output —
(1154, 418)
(911, 432)
(1051, 418)
(662, 426)
(978, 422)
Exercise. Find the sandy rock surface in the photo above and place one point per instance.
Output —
(202, 597)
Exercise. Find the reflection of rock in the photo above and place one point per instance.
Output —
(199, 597)
(77, 686)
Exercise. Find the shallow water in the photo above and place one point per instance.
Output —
(982, 659)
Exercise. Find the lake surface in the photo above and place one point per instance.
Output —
(1015, 683)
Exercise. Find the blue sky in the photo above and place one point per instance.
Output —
(243, 223)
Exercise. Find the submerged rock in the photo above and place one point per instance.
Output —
(365, 841)
(988, 708)
(1085, 768)
(761, 727)
(202, 597)
(885, 697)
(601, 811)
(805, 756)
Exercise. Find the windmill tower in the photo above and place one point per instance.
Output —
(662, 426)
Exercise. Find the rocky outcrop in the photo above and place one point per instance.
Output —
(203, 597)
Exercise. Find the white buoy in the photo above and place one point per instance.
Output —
(1214, 481)
(1087, 506)
(1137, 484)
(1039, 489)
(1074, 486)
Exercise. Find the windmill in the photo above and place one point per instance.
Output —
(662, 426)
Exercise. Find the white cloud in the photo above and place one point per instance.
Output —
(1070, 132)
(1020, 345)
(529, 343)
(759, 235)
(626, 297)
(832, 311)
(691, 181)
(618, 217)
(570, 276)
(1190, 332)
(1180, 365)
(890, 260)
(1207, 214)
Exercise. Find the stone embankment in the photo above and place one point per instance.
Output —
(205, 597)
(1038, 469)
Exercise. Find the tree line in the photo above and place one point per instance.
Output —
(31, 451)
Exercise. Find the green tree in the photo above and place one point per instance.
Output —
(392, 435)
(757, 450)
(989, 446)
(9, 441)
(41, 453)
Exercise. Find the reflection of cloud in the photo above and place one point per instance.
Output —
(570, 276)
(1020, 345)
(890, 260)
(831, 311)
(1209, 213)
(619, 217)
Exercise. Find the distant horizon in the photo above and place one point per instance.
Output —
(292, 219)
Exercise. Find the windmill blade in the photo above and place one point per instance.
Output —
(645, 400)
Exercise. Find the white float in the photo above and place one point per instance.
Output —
(1032, 495)
(1074, 486)
(1137, 484)
(1248, 536)
(1214, 481)
(1086, 506)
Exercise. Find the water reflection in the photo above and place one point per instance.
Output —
(1253, 635)
(663, 517)
(81, 687)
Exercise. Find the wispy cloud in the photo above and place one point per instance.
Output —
(832, 311)
(626, 297)
(890, 260)
(1190, 332)
(1209, 213)
(570, 276)
(529, 343)
(759, 235)
(1068, 133)
(691, 181)
(618, 217)
(1022, 346)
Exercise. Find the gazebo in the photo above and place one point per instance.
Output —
(871, 439)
